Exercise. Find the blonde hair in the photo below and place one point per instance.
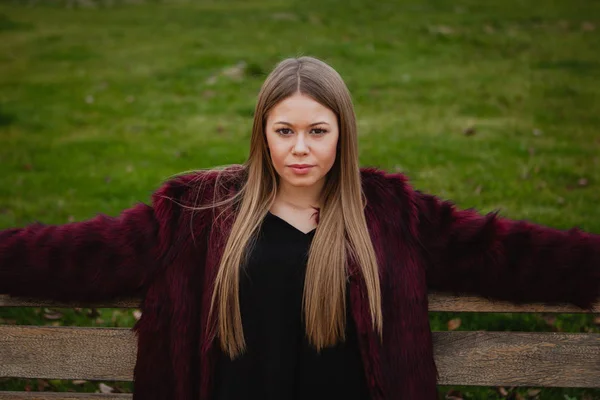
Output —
(342, 229)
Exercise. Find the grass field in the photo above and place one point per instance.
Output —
(492, 104)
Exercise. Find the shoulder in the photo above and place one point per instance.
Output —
(391, 198)
(381, 182)
(190, 189)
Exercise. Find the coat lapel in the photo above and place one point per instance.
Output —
(368, 341)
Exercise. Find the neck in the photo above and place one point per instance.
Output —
(300, 198)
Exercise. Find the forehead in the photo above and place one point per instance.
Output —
(299, 108)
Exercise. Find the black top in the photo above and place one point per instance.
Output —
(279, 363)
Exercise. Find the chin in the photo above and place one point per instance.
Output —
(301, 181)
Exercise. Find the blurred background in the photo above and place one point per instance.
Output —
(494, 105)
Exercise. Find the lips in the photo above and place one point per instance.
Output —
(301, 169)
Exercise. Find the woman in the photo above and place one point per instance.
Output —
(296, 274)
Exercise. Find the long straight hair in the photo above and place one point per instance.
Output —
(342, 230)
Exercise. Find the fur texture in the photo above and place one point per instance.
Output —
(421, 243)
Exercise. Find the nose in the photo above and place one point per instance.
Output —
(300, 146)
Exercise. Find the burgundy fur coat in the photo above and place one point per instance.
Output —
(421, 243)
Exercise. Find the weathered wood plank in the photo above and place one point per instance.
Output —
(518, 359)
(443, 302)
(61, 396)
(67, 352)
(437, 302)
(7, 301)
(465, 358)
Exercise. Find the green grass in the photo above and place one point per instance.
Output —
(99, 105)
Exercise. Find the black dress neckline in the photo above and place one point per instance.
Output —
(309, 233)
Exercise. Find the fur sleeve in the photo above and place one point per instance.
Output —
(494, 257)
(98, 259)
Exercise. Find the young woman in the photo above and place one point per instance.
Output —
(297, 274)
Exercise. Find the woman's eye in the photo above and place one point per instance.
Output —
(283, 131)
(319, 131)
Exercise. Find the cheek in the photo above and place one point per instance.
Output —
(278, 154)
(331, 150)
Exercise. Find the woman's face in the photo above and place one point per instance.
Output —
(301, 131)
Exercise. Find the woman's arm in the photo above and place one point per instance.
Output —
(98, 259)
(495, 257)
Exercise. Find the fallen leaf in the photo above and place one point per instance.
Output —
(469, 131)
(588, 26)
(441, 29)
(533, 392)
(454, 395)
(502, 391)
(454, 324)
(211, 80)
(313, 19)
(235, 72)
(116, 314)
(550, 319)
(52, 314)
(180, 153)
(284, 16)
(541, 185)
(42, 384)
(105, 388)
(208, 94)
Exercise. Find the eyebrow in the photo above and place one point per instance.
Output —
(288, 124)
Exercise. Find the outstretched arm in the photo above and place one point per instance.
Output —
(98, 259)
(495, 257)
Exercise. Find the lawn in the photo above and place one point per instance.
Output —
(491, 104)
